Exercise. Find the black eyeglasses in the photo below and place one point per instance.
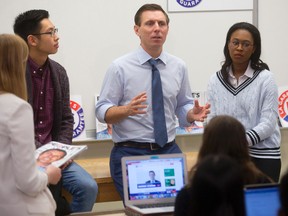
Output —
(245, 44)
(51, 33)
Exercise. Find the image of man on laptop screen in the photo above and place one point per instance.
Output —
(153, 180)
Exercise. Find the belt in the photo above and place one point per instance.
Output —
(142, 145)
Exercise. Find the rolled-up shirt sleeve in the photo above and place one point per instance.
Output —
(111, 91)
(184, 101)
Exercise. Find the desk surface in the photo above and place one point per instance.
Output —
(108, 213)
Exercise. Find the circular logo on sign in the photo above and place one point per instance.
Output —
(189, 3)
(78, 114)
(283, 106)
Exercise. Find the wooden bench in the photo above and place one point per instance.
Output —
(100, 171)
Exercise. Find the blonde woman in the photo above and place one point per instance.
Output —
(23, 188)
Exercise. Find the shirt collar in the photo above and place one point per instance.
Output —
(143, 56)
(35, 67)
(249, 71)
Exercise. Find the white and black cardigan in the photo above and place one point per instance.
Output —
(255, 104)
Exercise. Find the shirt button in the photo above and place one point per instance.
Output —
(41, 108)
(40, 122)
(41, 92)
(34, 72)
(40, 135)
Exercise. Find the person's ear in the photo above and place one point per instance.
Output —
(32, 40)
(136, 30)
(254, 48)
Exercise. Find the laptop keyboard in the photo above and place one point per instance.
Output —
(155, 205)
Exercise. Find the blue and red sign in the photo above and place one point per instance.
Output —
(283, 106)
(79, 123)
(189, 3)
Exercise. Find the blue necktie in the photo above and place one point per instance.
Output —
(160, 130)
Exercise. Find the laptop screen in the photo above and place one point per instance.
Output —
(262, 200)
(154, 177)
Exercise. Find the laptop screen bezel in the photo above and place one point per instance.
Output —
(124, 160)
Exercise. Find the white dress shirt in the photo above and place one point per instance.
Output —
(130, 75)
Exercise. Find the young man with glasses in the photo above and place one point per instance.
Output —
(48, 94)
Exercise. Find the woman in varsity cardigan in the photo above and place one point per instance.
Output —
(245, 88)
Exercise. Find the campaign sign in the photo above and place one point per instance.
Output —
(283, 105)
(209, 5)
(78, 114)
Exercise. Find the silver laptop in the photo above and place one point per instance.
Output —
(262, 200)
(152, 182)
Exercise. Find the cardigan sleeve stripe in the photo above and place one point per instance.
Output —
(253, 136)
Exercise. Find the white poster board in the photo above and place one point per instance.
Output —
(209, 5)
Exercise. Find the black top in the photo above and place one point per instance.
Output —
(182, 202)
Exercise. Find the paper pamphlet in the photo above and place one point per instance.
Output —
(56, 153)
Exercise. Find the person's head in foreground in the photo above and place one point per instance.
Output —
(13, 57)
(217, 188)
(226, 135)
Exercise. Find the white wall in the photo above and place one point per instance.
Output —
(273, 26)
(93, 33)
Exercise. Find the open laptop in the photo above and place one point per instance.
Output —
(262, 200)
(152, 182)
